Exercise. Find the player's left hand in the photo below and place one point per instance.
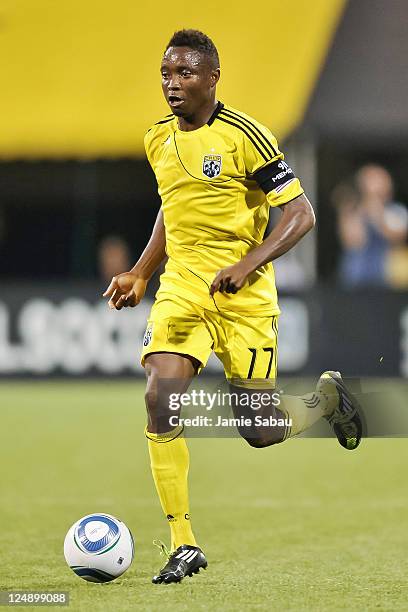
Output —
(231, 279)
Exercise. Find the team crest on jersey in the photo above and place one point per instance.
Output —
(212, 165)
(148, 335)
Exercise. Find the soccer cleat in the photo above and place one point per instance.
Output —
(186, 560)
(345, 419)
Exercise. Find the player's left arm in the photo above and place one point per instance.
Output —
(296, 220)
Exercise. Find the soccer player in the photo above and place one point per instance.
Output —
(218, 172)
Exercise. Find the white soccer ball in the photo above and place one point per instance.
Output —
(99, 547)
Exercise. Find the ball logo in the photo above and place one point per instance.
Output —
(212, 165)
(96, 530)
(96, 533)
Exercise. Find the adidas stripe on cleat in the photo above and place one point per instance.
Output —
(345, 420)
(185, 561)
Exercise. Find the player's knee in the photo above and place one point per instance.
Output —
(151, 398)
(158, 414)
(151, 393)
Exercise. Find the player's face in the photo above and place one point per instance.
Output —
(188, 81)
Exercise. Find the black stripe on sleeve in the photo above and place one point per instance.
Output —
(242, 128)
(263, 139)
(273, 175)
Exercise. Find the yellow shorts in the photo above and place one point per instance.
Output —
(246, 345)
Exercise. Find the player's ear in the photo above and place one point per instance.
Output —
(215, 77)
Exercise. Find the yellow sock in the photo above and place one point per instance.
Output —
(169, 460)
(306, 410)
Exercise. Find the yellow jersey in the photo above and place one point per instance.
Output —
(216, 184)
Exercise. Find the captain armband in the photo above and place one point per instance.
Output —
(276, 176)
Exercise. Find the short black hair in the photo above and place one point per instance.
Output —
(194, 39)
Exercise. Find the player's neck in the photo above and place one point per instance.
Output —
(188, 124)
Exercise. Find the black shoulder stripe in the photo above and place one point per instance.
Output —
(243, 129)
(269, 146)
(165, 120)
(248, 128)
(217, 110)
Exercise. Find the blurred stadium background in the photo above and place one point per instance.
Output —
(78, 200)
(80, 86)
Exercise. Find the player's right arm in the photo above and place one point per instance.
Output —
(128, 288)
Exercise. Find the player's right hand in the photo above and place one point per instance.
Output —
(125, 290)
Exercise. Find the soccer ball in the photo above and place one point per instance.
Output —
(99, 547)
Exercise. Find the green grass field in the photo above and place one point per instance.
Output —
(301, 526)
